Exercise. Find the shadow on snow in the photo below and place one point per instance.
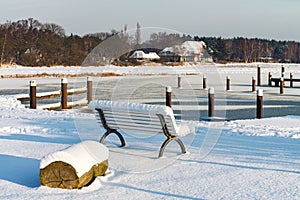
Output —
(20, 170)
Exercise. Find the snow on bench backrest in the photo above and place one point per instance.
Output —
(136, 117)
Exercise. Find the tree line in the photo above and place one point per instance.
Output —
(247, 50)
(32, 43)
(29, 42)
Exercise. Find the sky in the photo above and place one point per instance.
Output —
(269, 19)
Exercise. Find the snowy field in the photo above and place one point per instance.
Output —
(241, 158)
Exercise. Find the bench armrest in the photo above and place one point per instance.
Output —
(184, 128)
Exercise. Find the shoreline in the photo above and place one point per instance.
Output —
(114, 71)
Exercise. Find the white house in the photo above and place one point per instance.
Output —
(189, 51)
(139, 54)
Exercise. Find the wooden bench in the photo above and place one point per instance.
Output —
(139, 118)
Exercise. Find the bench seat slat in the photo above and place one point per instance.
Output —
(145, 125)
(141, 115)
(131, 117)
(128, 124)
(140, 127)
(135, 119)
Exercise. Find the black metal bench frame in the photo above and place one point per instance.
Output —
(122, 140)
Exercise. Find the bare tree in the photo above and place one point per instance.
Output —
(3, 48)
(54, 28)
(8, 23)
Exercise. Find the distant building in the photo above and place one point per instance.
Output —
(189, 51)
(266, 59)
(140, 55)
(170, 54)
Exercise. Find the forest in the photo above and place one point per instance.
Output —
(29, 42)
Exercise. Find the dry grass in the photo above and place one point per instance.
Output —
(54, 75)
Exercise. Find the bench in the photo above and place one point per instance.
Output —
(278, 80)
(139, 118)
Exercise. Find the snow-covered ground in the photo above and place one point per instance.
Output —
(56, 71)
(237, 159)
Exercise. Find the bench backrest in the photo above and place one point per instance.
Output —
(133, 117)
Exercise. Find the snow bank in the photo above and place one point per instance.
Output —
(10, 102)
(287, 126)
(81, 156)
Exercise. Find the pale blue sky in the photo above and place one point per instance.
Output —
(271, 19)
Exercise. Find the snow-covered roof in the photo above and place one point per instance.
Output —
(186, 48)
(153, 55)
(141, 55)
(137, 54)
(193, 46)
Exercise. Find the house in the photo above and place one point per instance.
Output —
(170, 54)
(189, 51)
(141, 55)
(266, 59)
(192, 51)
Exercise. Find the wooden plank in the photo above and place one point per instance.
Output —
(56, 106)
(53, 94)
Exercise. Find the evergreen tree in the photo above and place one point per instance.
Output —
(138, 36)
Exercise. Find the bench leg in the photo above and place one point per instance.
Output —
(115, 132)
(167, 141)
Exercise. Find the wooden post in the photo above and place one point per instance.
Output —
(282, 76)
(211, 102)
(270, 78)
(179, 81)
(228, 83)
(282, 69)
(169, 96)
(259, 104)
(204, 82)
(32, 94)
(291, 79)
(64, 93)
(258, 76)
(89, 89)
(281, 85)
(253, 84)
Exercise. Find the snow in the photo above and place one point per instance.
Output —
(230, 68)
(81, 156)
(10, 102)
(244, 159)
(193, 46)
(132, 107)
(287, 126)
(143, 55)
(187, 48)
